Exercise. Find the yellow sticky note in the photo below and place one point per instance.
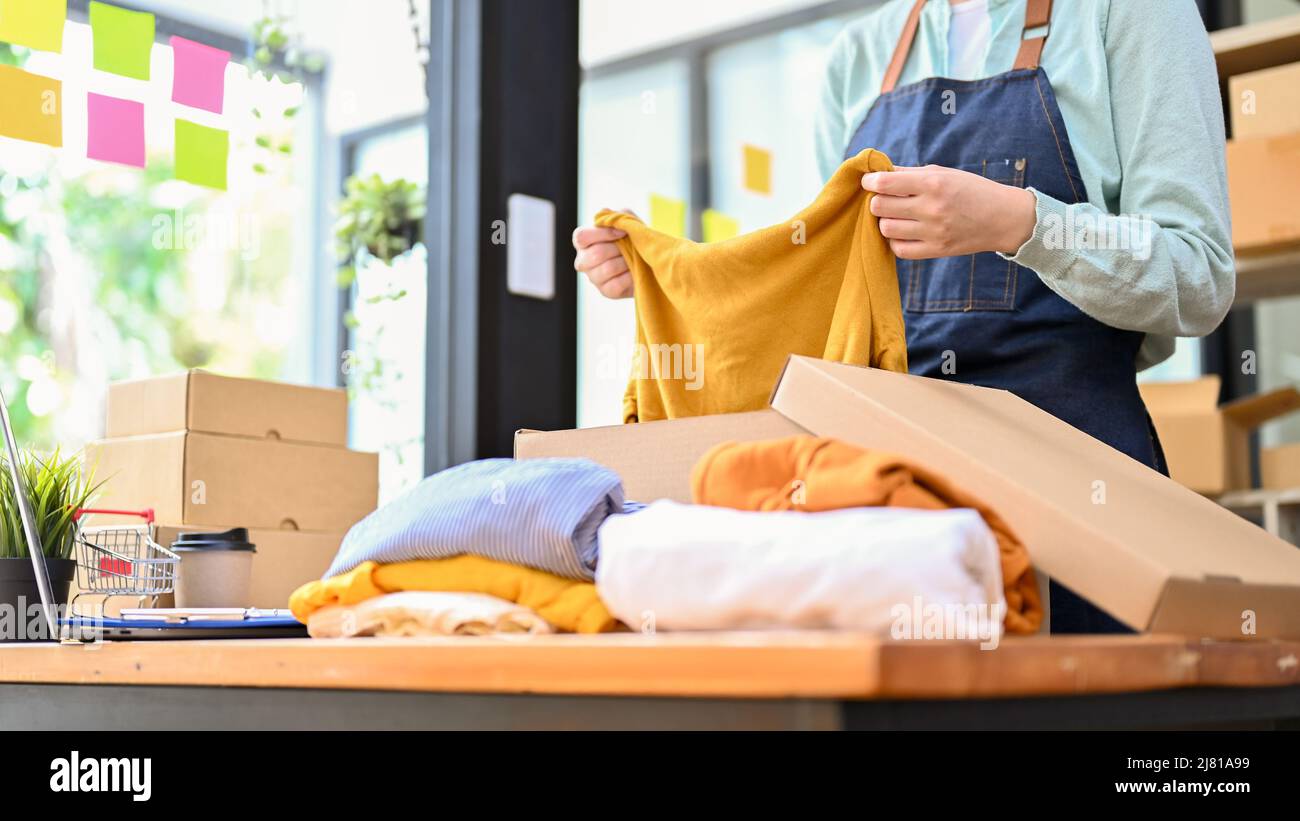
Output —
(758, 169)
(718, 226)
(32, 107)
(35, 24)
(668, 215)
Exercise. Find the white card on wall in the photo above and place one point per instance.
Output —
(530, 246)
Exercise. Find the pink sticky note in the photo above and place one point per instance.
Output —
(198, 74)
(115, 130)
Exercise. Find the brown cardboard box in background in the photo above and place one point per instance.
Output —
(209, 480)
(207, 403)
(1154, 554)
(1279, 467)
(1207, 445)
(1274, 102)
(1264, 187)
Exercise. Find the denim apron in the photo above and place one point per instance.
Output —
(982, 319)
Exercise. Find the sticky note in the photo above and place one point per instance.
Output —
(31, 107)
(114, 130)
(123, 40)
(198, 75)
(35, 24)
(668, 215)
(201, 154)
(718, 226)
(758, 170)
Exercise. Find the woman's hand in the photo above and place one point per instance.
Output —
(599, 258)
(942, 212)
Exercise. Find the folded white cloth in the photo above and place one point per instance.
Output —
(422, 613)
(694, 567)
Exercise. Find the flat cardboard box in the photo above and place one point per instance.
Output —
(210, 480)
(1207, 445)
(285, 560)
(665, 474)
(1264, 187)
(207, 403)
(1152, 553)
(1279, 467)
(1265, 103)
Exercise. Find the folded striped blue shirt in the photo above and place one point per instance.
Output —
(541, 513)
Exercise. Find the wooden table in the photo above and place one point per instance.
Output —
(727, 680)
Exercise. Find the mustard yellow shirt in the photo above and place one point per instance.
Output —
(570, 606)
(715, 322)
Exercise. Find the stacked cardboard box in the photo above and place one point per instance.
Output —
(1264, 158)
(210, 452)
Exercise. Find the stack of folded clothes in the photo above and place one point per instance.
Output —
(798, 532)
(522, 532)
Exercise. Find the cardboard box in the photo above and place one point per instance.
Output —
(1265, 103)
(285, 559)
(1279, 467)
(1152, 553)
(207, 403)
(665, 474)
(1264, 187)
(204, 479)
(1207, 445)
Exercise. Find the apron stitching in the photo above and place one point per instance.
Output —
(1038, 85)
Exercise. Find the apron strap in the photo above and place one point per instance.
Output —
(899, 59)
(1037, 15)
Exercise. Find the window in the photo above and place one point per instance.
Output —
(386, 338)
(110, 272)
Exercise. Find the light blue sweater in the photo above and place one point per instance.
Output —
(1139, 92)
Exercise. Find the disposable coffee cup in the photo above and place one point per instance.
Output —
(216, 569)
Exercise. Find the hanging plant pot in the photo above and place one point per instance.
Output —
(20, 597)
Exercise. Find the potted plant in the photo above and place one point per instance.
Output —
(56, 488)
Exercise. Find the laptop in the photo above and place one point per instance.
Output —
(172, 624)
(134, 625)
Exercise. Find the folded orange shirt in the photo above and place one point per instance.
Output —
(812, 474)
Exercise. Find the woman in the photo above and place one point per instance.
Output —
(1061, 213)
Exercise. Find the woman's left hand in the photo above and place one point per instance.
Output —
(942, 212)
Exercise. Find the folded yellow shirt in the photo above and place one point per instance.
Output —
(715, 322)
(569, 605)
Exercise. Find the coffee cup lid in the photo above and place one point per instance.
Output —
(233, 539)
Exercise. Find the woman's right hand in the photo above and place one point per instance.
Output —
(599, 258)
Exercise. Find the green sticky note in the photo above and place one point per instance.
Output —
(201, 154)
(717, 226)
(668, 215)
(123, 40)
(35, 24)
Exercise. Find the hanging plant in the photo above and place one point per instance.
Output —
(377, 219)
(277, 55)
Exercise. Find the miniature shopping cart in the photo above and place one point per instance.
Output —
(122, 560)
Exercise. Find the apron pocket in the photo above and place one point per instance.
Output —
(975, 282)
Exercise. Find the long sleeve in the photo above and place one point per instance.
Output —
(1176, 276)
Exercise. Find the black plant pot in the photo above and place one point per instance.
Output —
(18, 592)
